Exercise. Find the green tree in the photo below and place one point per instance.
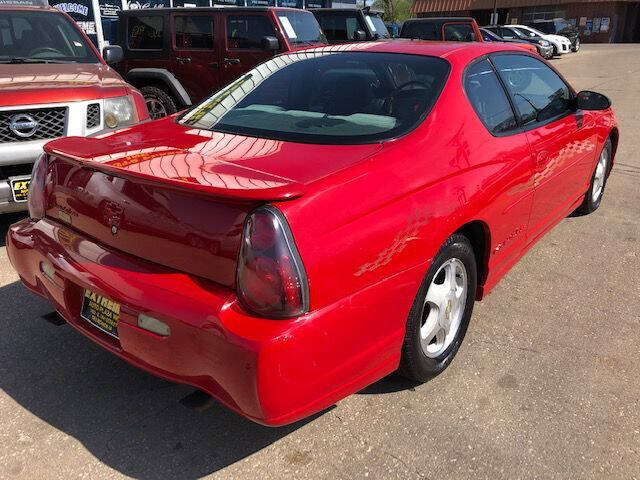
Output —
(394, 10)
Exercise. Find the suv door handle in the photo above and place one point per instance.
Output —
(183, 59)
(232, 61)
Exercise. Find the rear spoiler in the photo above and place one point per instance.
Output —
(255, 186)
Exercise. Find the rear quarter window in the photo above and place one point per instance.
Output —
(486, 95)
(145, 32)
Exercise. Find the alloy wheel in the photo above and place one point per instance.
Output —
(156, 108)
(600, 176)
(443, 308)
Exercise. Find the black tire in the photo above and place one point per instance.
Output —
(576, 46)
(159, 103)
(415, 364)
(555, 51)
(589, 204)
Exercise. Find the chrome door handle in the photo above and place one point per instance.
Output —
(232, 61)
(183, 59)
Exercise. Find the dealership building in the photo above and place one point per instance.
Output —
(598, 21)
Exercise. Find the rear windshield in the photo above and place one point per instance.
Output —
(301, 28)
(326, 97)
(421, 31)
(41, 37)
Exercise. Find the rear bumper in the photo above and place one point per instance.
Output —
(271, 371)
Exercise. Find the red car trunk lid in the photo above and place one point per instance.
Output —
(180, 199)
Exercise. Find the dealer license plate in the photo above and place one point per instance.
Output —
(20, 188)
(101, 312)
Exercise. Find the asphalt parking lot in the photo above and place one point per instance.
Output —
(545, 386)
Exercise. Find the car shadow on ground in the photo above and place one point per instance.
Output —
(129, 420)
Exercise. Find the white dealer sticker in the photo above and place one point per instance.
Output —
(370, 23)
(286, 24)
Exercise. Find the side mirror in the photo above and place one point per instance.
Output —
(587, 100)
(269, 43)
(359, 36)
(112, 54)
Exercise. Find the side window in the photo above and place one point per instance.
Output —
(506, 33)
(246, 31)
(458, 32)
(193, 32)
(339, 26)
(537, 91)
(422, 31)
(145, 32)
(488, 98)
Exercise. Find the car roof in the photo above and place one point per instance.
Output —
(28, 8)
(149, 11)
(455, 51)
(439, 19)
(335, 9)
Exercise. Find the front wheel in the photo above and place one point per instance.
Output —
(440, 314)
(593, 197)
(576, 47)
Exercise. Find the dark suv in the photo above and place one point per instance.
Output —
(179, 56)
(558, 26)
(344, 25)
(448, 29)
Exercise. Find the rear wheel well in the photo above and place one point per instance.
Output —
(140, 82)
(478, 234)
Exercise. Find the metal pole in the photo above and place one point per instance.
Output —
(494, 20)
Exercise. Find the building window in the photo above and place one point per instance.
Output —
(543, 12)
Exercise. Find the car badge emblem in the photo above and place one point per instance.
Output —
(23, 125)
(114, 229)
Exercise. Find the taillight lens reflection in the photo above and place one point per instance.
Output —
(271, 278)
(36, 199)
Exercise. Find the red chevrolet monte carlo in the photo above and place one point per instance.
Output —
(326, 219)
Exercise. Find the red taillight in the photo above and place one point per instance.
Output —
(36, 199)
(271, 278)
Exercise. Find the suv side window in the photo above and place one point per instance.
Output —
(145, 32)
(193, 32)
(421, 30)
(488, 98)
(458, 32)
(538, 92)
(339, 26)
(246, 31)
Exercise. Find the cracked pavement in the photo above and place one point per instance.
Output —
(545, 385)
